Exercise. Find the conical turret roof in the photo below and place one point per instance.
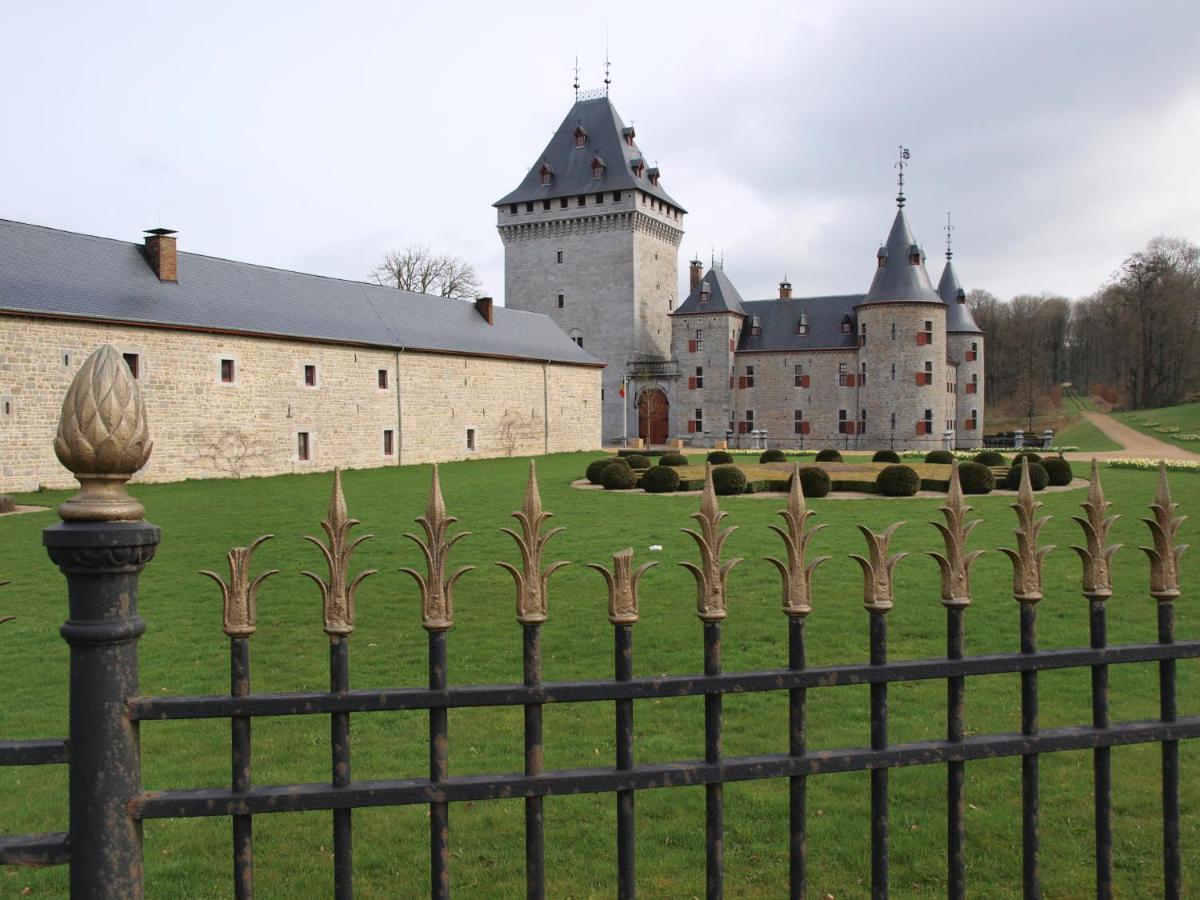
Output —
(898, 279)
(714, 294)
(958, 312)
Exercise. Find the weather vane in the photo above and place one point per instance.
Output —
(576, 77)
(607, 67)
(904, 154)
(949, 231)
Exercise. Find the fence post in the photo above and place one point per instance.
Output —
(102, 545)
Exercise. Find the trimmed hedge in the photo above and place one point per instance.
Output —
(814, 481)
(939, 457)
(829, 455)
(728, 480)
(673, 459)
(637, 461)
(1026, 454)
(660, 479)
(991, 458)
(630, 451)
(1038, 477)
(773, 455)
(898, 481)
(719, 458)
(887, 456)
(1058, 469)
(594, 469)
(976, 478)
(617, 477)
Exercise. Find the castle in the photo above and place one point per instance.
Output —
(591, 239)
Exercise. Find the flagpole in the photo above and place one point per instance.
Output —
(625, 410)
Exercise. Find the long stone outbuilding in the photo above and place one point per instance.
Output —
(249, 370)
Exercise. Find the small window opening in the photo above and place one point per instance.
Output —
(303, 446)
(389, 442)
(382, 381)
(310, 376)
(560, 301)
(470, 438)
(228, 371)
(134, 362)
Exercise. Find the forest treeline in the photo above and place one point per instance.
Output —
(1135, 342)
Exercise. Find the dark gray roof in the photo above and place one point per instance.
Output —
(722, 296)
(898, 279)
(572, 166)
(46, 271)
(778, 320)
(958, 312)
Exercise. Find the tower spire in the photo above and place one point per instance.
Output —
(576, 77)
(903, 161)
(949, 229)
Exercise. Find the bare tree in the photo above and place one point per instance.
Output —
(416, 268)
(231, 450)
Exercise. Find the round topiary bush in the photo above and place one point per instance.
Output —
(939, 457)
(976, 478)
(672, 459)
(1026, 454)
(618, 477)
(887, 456)
(1038, 477)
(594, 469)
(990, 458)
(728, 480)
(637, 461)
(660, 480)
(719, 458)
(1058, 469)
(898, 481)
(814, 481)
(772, 455)
(829, 455)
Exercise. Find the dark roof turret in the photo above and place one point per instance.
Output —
(714, 294)
(900, 276)
(958, 312)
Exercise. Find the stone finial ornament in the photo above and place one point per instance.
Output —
(710, 575)
(1164, 555)
(103, 439)
(796, 576)
(1027, 558)
(956, 562)
(437, 591)
(337, 594)
(240, 595)
(1096, 557)
(623, 586)
(878, 568)
(530, 580)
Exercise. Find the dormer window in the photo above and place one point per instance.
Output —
(638, 167)
(628, 134)
(914, 255)
(653, 175)
(597, 167)
(705, 290)
(755, 327)
(580, 136)
(961, 296)
(882, 256)
(847, 325)
(802, 324)
(546, 174)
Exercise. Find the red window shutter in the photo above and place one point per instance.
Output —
(691, 382)
(804, 382)
(920, 426)
(804, 427)
(920, 378)
(921, 337)
(741, 382)
(850, 383)
(691, 346)
(742, 429)
(970, 388)
(731, 347)
(849, 428)
(970, 356)
(691, 426)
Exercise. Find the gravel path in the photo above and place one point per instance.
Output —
(1134, 442)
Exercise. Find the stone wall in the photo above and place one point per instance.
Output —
(969, 372)
(204, 428)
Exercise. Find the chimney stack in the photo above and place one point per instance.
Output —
(695, 273)
(483, 306)
(785, 290)
(160, 253)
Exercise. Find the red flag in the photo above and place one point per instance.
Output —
(622, 391)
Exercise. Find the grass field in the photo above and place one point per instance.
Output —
(184, 652)
(1086, 436)
(1168, 423)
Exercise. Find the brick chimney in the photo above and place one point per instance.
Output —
(483, 306)
(160, 253)
(695, 273)
(785, 290)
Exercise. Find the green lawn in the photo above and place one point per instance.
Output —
(1086, 436)
(1167, 423)
(184, 652)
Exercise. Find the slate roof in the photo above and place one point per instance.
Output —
(51, 272)
(722, 296)
(958, 312)
(572, 166)
(823, 315)
(898, 280)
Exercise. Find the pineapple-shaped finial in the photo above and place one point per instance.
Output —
(337, 594)
(1097, 555)
(710, 575)
(437, 590)
(956, 562)
(1027, 558)
(796, 573)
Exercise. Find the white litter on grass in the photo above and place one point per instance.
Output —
(656, 546)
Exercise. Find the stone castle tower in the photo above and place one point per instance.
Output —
(591, 239)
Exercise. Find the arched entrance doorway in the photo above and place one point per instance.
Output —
(653, 408)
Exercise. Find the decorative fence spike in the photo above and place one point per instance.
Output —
(337, 594)
(1027, 558)
(796, 576)
(437, 591)
(530, 580)
(1164, 555)
(878, 569)
(1096, 557)
(956, 562)
(240, 595)
(710, 574)
(623, 586)
(103, 439)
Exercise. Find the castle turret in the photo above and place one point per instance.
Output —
(964, 347)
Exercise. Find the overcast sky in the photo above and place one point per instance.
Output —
(315, 136)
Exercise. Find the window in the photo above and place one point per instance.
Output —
(66, 357)
(705, 290)
(6, 407)
(847, 325)
(862, 373)
(558, 257)
(893, 371)
(562, 202)
(843, 422)
(755, 327)
(599, 197)
(925, 336)
(749, 419)
(545, 205)
(529, 206)
(799, 425)
(862, 421)
(699, 341)
(310, 376)
(471, 439)
(546, 176)
(598, 172)
(382, 379)
(134, 362)
(862, 335)
(893, 421)
(581, 200)
(580, 136)
(303, 446)
(926, 377)
(973, 421)
(560, 301)
(616, 196)
(801, 380)
(925, 426)
(893, 331)
(845, 379)
(512, 208)
(229, 372)
(973, 353)
(578, 340)
(389, 442)
(697, 380)
(749, 376)
(802, 324)
(696, 423)
(972, 386)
